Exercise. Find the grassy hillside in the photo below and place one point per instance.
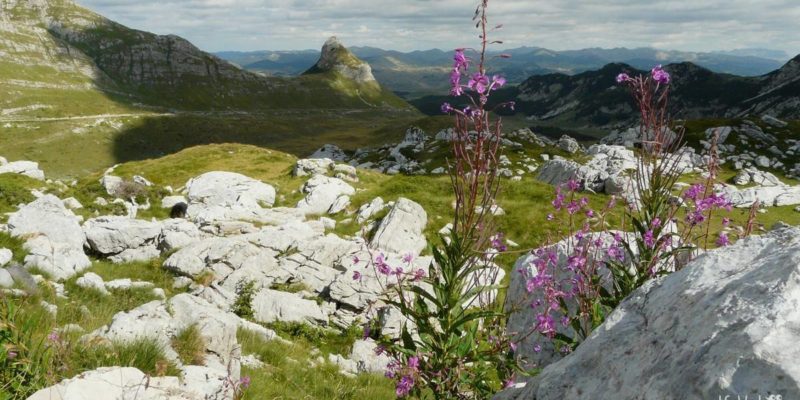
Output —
(79, 93)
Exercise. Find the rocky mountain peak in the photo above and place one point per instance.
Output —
(336, 57)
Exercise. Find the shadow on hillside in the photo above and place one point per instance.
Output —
(299, 133)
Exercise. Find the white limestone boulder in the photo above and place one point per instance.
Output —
(321, 194)
(218, 195)
(401, 231)
(723, 326)
(27, 168)
(272, 305)
(123, 239)
(119, 383)
(53, 237)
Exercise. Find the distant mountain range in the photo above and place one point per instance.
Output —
(418, 73)
(593, 99)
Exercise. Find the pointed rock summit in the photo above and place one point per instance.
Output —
(337, 58)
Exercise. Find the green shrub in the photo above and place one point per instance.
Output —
(243, 306)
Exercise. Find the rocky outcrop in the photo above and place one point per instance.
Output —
(226, 196)
(272, 305)
(401, 230)
(126, 383)
(322, 193)
(53, 238)
(722, 326)
(335, 57)
(123, 239)
(607, 162)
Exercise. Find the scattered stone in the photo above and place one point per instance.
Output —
(772, 121)
(27, 168)
(329, 151)
(72, 203)
(568, 144)
(5, 256)
(312, 166)
(366, 211)
(90, 280)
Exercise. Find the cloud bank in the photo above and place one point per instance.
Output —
(692, 25)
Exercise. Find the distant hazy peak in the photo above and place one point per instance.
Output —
(335, 57)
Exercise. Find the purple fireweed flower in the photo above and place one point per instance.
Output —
(471, 112)
(573, 207)
(460, 61)
(558, 201)
(478, 82)
(11, 355)
(498, 82)
(413, 363)
(447, 108)
(537, 348)
(659, 75)
(398, 271)
(508, 383)
(566, 350)
(455, 83)
(726, 221)
(379, 350)
(244, 382)
(573, 185)
(694, 192)
(356, 276)
(648, 239)
(53, 337)
(513, 346)
(497, 242)
(576, 262)
(656, 222)
(623, 77)
(589, 213)
(723, 240)
(419, 274)
(545, 325)
(408, 257)
(404, 386)
(615, 253)
(356, 260)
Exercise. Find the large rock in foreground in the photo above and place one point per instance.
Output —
(53, 237)
(726, 325)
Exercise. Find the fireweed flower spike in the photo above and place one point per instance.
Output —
(479, 83)
(623, 77)
(659, 75)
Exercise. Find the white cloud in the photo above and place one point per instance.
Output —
(696, 25)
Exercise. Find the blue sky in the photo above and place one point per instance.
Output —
(692, 25)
